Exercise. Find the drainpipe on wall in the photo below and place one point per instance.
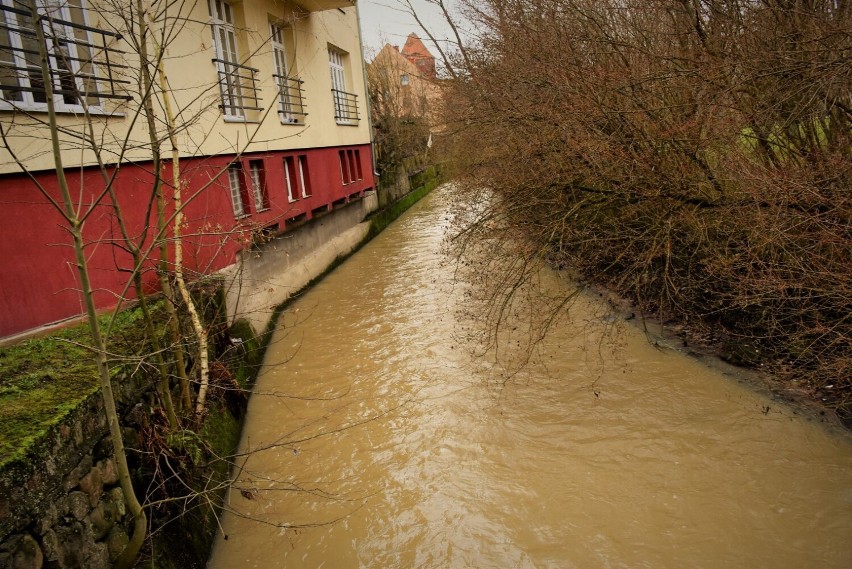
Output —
(366, 93)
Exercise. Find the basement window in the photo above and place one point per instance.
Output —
(345, 173)
(290, 178)
(239, 195)
(258, 185)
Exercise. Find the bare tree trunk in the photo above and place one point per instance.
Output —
(198, 326)
(135, 250)
(128, 556)
(163, 270)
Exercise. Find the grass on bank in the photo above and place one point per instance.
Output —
(430, 179)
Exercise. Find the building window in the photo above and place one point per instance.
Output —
(358, 164)
(238, 189)
(258, 185)
(290, 101)
(344, 167)
(404, 79)
(290, 178)
(304, 176)
(77, 57)
(237, 83)
(345, 104)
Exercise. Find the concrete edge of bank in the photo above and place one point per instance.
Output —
(267, 277)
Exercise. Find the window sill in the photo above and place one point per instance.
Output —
(76, 111)
(262, 210)
(242, 216)
(239, 120)
(346, 123)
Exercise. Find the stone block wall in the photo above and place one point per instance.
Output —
(61, 506)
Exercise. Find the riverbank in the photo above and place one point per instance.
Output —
(60, 500)
(709, 349)
(728, 217)
(48, 394)
(520, 238)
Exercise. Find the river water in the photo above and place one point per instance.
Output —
(381, 439)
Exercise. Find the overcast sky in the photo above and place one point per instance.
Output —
(386, 21)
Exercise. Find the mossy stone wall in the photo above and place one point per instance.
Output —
(61, 505)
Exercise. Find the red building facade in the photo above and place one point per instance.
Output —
(39, 278)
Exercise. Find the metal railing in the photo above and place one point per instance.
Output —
(345, 107)
(238, 88)
(81, 66)
(291, 100)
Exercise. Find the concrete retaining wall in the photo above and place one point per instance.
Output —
(269, 274)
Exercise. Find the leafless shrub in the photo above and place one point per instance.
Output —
(693, 155)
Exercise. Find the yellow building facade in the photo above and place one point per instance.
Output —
(269, 116)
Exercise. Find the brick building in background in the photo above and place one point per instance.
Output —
(415, 51)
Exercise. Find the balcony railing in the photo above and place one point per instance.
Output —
(291, 100)
(345, 107)
(238, 87)
(83, 66)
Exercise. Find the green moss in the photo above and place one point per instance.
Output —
(424, 177)
(221, 431)
(187, 543)
(40, 381)
(43, 379)
(245, 359)
(385, 217)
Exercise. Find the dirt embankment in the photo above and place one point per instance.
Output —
(740, 361)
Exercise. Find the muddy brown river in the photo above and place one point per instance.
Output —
(381, 439)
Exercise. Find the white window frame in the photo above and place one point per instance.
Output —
(288, 180)
(279, 61)
(344, 167)
(301, 160)
(235, 174)
(225, 48)
(255, 173)
(337, 68)
(58, 9)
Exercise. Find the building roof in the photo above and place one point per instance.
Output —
(416, 53)
(414, 47)
(390, 58)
